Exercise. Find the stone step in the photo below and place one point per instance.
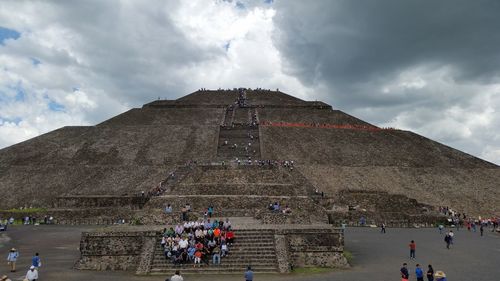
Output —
(211, 269)
(254, 260)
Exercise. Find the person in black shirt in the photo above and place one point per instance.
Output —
(430, 273)
(404, 272)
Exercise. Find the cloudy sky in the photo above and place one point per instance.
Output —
(429, 66)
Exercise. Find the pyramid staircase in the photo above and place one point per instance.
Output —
(252, 247)
(239, 130)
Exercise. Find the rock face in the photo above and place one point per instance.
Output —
(333, 151)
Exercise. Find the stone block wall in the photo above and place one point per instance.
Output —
(113, 250)
(99, 201)
(315, 247)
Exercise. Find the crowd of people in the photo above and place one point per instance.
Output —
(31, 274)
(277, 208)
(196, 242)
(419, 273)
(461, 220)
(27, 220)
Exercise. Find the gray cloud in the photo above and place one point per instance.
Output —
(410, 64)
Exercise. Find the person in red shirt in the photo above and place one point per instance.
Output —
(197, 258)
(217, 233)
(412, 246)
(229, 237)
(199, 246)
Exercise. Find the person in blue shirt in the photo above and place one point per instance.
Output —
(419, 273)
(35, 261)
(191, 252)
(249, 274)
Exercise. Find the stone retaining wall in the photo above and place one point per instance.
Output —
(130, 202)
(315, 247)
(391, 219)
(113, 250)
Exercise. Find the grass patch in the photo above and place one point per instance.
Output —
(25, 211)
(311, 270)
(348, 256)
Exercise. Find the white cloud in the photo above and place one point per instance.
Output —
(125, 54)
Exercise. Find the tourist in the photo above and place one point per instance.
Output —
(197, 258)
(249, 274)
(440, 227)
(276, 207)
(184, 216)
(404, 273)
(191, 251)
(451, 234)
(216, 256)
(440, 276)
(229, 237)
(168, 209)
(447, 240)
(481, 229)
(12, 259)
(224, 250)
(419, 273)
(382, 228)
(430, 273)
(362, 221)
(183, 244)
(32, 274)
(177, 276)
(227, 225)
(287, 210)
(35, 261)
(179, 229)
(210, 211)
(413, 247)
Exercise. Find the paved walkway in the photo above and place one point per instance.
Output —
(376, 256)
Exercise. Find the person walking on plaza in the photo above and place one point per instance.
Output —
(32, 274)
(35, 261)
(419, 273)
(447, 240)
(404, 273)
(481, 229)
(413, 247)
(177, 276)
(430, 273)
(12, 259)
(249, 274)
(382, 228)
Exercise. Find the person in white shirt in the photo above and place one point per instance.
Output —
(32, 274)
(183, 244)
(177, 276)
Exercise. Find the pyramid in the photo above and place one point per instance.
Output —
(347, 159)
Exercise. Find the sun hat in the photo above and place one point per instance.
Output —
(32, 267)
(439, 274)
(13, 249)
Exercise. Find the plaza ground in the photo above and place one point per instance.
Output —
(376, 256)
